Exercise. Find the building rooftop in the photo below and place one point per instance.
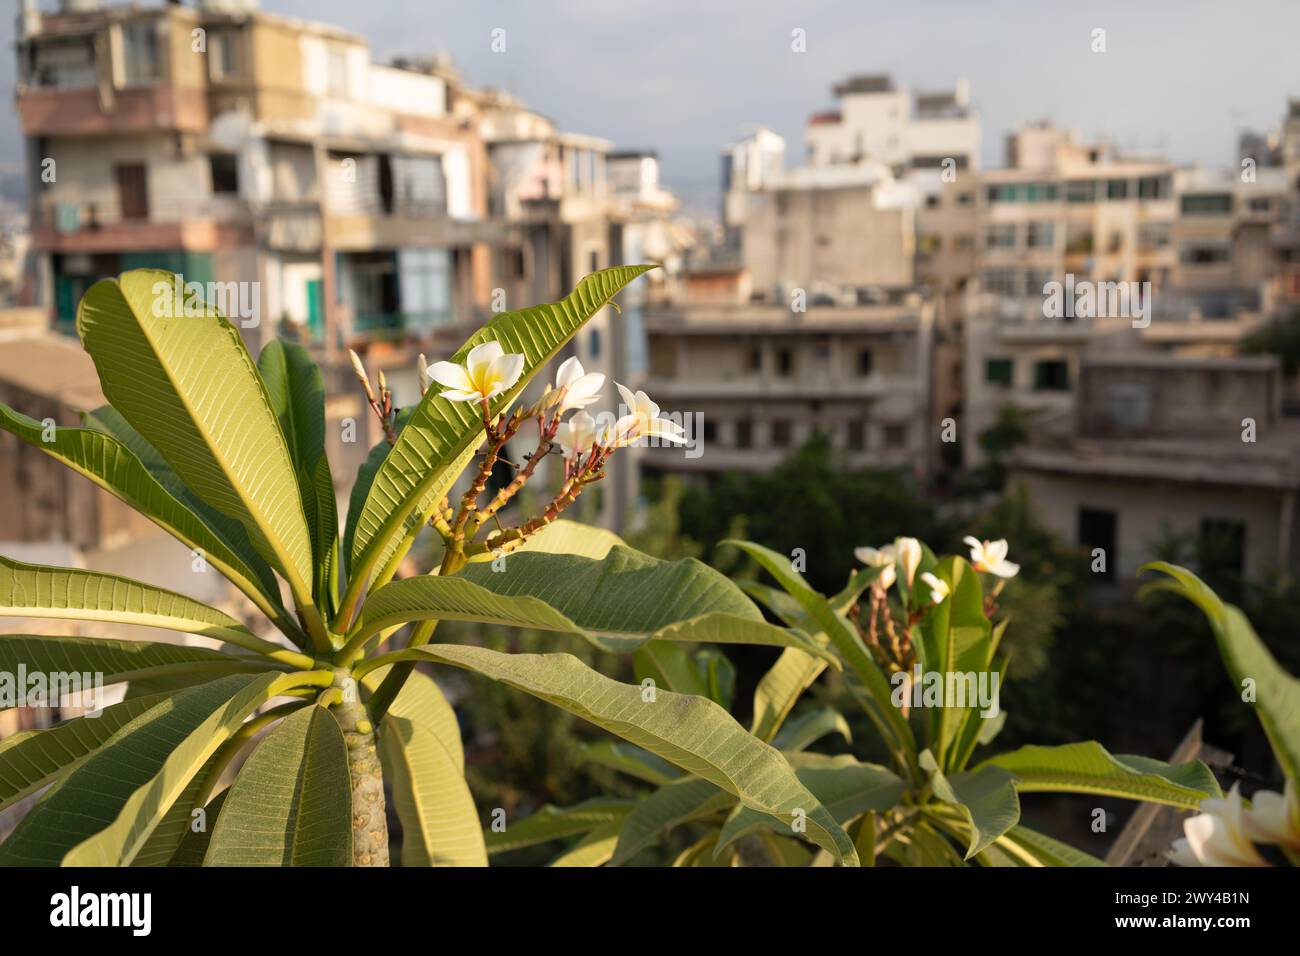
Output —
(865, 83)
(1233, 464)
(713, 319)
(52, 366)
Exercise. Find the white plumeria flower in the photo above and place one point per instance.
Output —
(643, 421)
(577, 387)
(1275, 817)
(991, 556)
(1217, 836)
(908, 552)
(577, 435)
(879, 558)
(938, 588)
(488, 371)
(422, 373)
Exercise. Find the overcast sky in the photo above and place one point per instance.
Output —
(685, 76)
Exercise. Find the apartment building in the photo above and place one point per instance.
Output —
(762, 379)
(1064, 216)
(877, 120)
(753, 162)
(232, 145)
(1188, 454)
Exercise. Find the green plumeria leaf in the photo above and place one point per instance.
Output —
(112, 659)
(440, 824)
(845, 787)
(36, 758)
(1086, 767)
(184, 380)
(1276, 697)
(555, 823)
(110, 464)
(291, 804)
(105, 810)
(673, 804)
(617, 603)
(692, 732)
(34, 590)
(985, 797)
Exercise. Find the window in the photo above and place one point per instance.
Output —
(965, 199)
(1097, 530)
(593, 343)
(337, 72)
(865, 362)
(1040, 192)
(515, 265)
(1221, 549)
(132, 190)
(1041, 235)
(781, 433)
(1207, 204)
(224, 54)
(1052, 375)
(593, 261)
(744, 433)
(999, 371)
(1078, 238)
(1261, 204)
(1000, 281)
(225, 172)
(1153, 235)
(784, 363)
(895, 436)
(856, 438)
(1117, 189)
(1130, 405)
(1082, 190)
(710, 430)
(1154, 187)
(1000, 235)
(140, 52)
(754, 360)
(1204, 253)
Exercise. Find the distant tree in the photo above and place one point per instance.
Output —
(1281, 338)
(812, 503)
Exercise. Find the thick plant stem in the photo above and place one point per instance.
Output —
(369, 812)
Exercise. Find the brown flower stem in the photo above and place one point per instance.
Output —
(545, 440)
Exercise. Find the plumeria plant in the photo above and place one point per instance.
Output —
(1231, 831)
(281, 744)
(917, 640)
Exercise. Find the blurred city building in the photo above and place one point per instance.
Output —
(388, 208)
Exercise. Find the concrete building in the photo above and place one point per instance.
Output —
(1064, 216)
(879, 121)
(830, 233)
(232, 145)
(1172, 451)
(753, 162)
(762, 379)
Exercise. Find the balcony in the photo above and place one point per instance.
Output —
(86, 227)
(83, 112)
(292, 226)
(408, 228)
(794, 388)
